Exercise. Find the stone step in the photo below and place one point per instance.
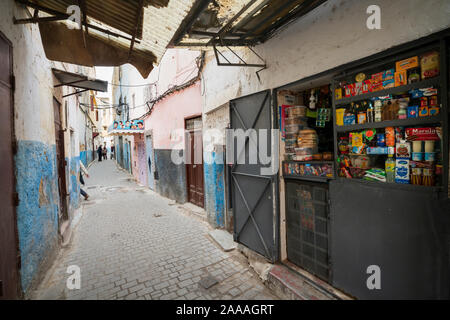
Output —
(291, 286)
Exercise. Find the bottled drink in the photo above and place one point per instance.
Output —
(390, 169)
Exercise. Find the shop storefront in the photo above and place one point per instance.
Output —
(363, 180)
(381, 199)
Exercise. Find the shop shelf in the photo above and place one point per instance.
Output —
(396, 90)
(391, 123)
(409, 187)
(305, 178)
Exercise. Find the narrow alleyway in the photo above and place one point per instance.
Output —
(131, 243)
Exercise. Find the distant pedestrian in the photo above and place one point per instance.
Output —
(113, 156)
(100, 153)
(105, 153)
(86, 173)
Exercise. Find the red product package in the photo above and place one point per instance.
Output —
(367, 86)
(349, 90)
(422, 134)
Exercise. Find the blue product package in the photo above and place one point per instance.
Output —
(413, 111)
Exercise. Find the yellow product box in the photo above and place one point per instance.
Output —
(338, 93)
(401, 78)
(406, 64)
(340, 116)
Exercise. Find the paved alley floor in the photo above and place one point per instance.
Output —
(131, 243)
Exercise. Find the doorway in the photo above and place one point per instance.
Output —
(60, 161)
(9, 276)
(194, 162)
(150, 162)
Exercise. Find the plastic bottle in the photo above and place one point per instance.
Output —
(390, 169)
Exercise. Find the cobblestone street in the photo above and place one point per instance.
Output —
(131, 243)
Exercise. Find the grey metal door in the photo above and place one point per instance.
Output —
(254, 207)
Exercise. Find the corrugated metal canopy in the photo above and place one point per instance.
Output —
(119, 14)
(79, 81)
(238, 22)
(116, 31)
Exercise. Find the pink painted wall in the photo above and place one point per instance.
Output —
(169, 116)
(139, 159)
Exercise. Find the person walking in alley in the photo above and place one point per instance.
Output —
(100, 153)
(112, 152)
(105, 152)
(86, 173)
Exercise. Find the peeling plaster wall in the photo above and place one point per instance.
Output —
(214, 159)
(35, 160)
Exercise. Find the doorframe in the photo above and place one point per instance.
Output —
(65, 207)
(190, 117)
(14, 147)
(149, 133)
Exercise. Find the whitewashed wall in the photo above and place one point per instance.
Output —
(331, 35)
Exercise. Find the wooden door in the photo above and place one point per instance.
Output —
(194, 165)
(60, 160)
(150, 162)
(9, 276)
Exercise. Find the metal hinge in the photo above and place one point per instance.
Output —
(13, 83)
(15, 199)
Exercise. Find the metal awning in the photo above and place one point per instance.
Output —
(114, 32)
(238, 22)
(79, 81)
(125, 132)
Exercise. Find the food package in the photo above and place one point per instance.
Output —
(367, 86)
(388, 75)
(424, 111)
(433, 111)
(390, 136)
(422, 134)
(357, 139)
(406, 64)
(429, 64)
(293, 128)
(349, 119)
(402, 171)
(375, 174)
(349, 90)
(403, 150)
(340, 116)
(377, 150)
(296, 111)
(338, 93)
(401, 78)
(388, 83)
(287, 98)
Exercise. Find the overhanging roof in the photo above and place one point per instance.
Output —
(79, 81)
(119, 14)
(114, 32)
(238, 22)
